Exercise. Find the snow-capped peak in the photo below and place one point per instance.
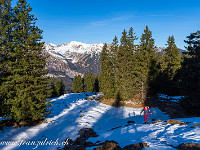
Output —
(51, 44)
(76, 47)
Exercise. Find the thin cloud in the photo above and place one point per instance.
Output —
(110, 21)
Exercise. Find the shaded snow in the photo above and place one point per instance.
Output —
(71, 112)
(171, 98)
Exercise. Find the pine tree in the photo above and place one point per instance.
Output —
(190, 75)
(27, 86)
(5, 49)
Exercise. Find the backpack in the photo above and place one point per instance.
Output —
(147, 108)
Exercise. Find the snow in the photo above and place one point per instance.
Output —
(76, 47)
(71, 112)
(73, 51)
(171, 98)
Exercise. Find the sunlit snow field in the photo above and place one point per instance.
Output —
(71, 112)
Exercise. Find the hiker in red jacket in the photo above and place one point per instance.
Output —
(146, 114)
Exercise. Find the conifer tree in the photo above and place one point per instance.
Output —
(122, 56)
(90, 83)
(100, 81)
(113, 53)
(74, 85)
(190, 75)
(171, 64)
(81, 84)
(172, 58)
(146, 58)
(112, 68)
(107, 67)
(104, 64)
(84, 82)
(96, 83)
(77, 85)
(27, 86)
(60, 87)
(5, 48)
(126, 81)
(53, 88)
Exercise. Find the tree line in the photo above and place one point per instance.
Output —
(24, 85)
(128, 69)
(87, 83)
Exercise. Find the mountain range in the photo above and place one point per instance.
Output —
(67, 60)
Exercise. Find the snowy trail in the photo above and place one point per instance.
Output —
(71, 112)
(61, 123)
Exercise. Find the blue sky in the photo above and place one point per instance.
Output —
(98, 21)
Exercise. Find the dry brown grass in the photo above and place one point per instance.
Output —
(176, 122)
(136, 102)
(198, 124)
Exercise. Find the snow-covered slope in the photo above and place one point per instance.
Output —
(76, 47)
(75, 57)
(71, 112)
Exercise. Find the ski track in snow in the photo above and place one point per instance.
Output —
(71, 112)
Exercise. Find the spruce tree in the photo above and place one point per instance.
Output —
(113, 53)
(84, 82)
(146, 58)
(126, 81)
(53, 88)
(172, 58)
(96, 83)
(80, 84)
(60, 87)
(103, 75)
(5, 49)
(74, 85)
(107, 59)
(90, 83)
(27, 86)
(171, 64)
(190, 75)
(122, 56)
(77, 85)
(112, 71)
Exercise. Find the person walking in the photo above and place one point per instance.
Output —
(146, 114)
